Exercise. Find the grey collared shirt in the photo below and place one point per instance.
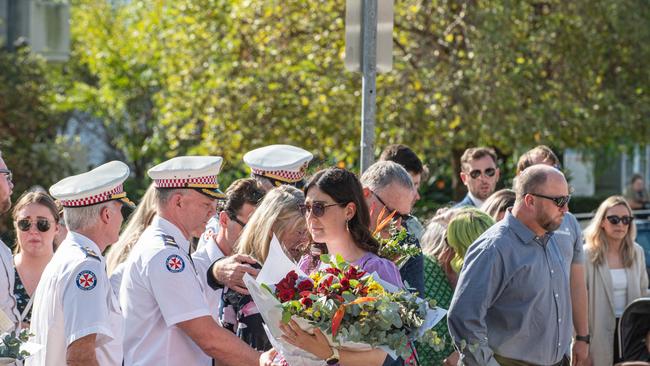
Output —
(513, 297)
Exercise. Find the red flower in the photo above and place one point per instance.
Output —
(306, 302)
(305, 285)
(325, 284)
(353, 273)
(332, 270)
(286, 295)
(345, 284)
(292, 277)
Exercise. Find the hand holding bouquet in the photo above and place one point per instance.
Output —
(351, 306)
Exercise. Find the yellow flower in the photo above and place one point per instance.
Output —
(375, 288)
(316, 276)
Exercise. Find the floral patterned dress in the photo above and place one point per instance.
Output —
(437, 287)
(22, 298)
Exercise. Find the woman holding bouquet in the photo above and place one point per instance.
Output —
(338, 221)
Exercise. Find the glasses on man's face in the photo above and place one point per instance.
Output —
(615, 220)
(560, 201)
(489, 172)
(316, 208)
(234, 218)
(7, 172)
(398, 215)
(43, 225)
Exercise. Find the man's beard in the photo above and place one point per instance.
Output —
(5, 205)
(547, 223)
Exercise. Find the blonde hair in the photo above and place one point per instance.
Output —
(433, 240)
(277, 213)
(139, 220)
(596, 239)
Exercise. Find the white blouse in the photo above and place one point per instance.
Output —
(619, 283)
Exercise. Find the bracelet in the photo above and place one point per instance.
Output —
(334, 358)
(583, 338)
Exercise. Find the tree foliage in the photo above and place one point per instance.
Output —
(28, 126)
(222, 77)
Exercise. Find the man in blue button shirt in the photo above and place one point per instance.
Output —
(512, 304)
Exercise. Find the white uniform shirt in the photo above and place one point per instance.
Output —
(203, 258)
(7, 282)
(74, 299)
(160, 288)
(116, 279)
(211, 230)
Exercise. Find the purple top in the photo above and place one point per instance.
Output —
(370, 263)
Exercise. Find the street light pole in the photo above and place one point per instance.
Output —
(369, 83)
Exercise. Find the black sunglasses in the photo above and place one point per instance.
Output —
(614, 220)
(317, 208)
(234, 218)
(560, 201)
(397, 214)
(43, 225)
(489, 172)
(7, 172)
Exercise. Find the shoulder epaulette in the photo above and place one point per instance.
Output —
(169, 240)
(90, 253)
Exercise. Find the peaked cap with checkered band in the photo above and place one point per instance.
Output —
(285, 163)
(99, 185)
(193, 172)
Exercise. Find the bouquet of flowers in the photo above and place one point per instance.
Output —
(399, 246)
(12, 347)
(351, 306)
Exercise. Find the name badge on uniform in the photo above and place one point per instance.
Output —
(175, 263)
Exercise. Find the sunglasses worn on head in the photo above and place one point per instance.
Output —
(317, 208)
(560, 201)
(7, 172)
(397, 215)
(43, 225)
(614, 220)
(489, 172)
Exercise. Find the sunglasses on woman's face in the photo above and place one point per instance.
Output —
(614, 220)
(43, 225)
(489, 172)
(317, 208)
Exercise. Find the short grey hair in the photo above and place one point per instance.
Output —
(384, 173)
(79, 218)
(163, 195)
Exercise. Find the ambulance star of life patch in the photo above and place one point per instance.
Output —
(86, 280)
(175, 263)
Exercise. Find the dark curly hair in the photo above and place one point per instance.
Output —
(344, 187)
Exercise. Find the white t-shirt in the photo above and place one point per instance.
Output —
(160, 288)
(74, 299)
(619, 287)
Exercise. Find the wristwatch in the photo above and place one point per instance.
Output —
(583, 338)
(334, 358)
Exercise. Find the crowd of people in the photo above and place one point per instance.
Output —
(522, 282)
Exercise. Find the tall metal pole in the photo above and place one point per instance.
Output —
(369, 86)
